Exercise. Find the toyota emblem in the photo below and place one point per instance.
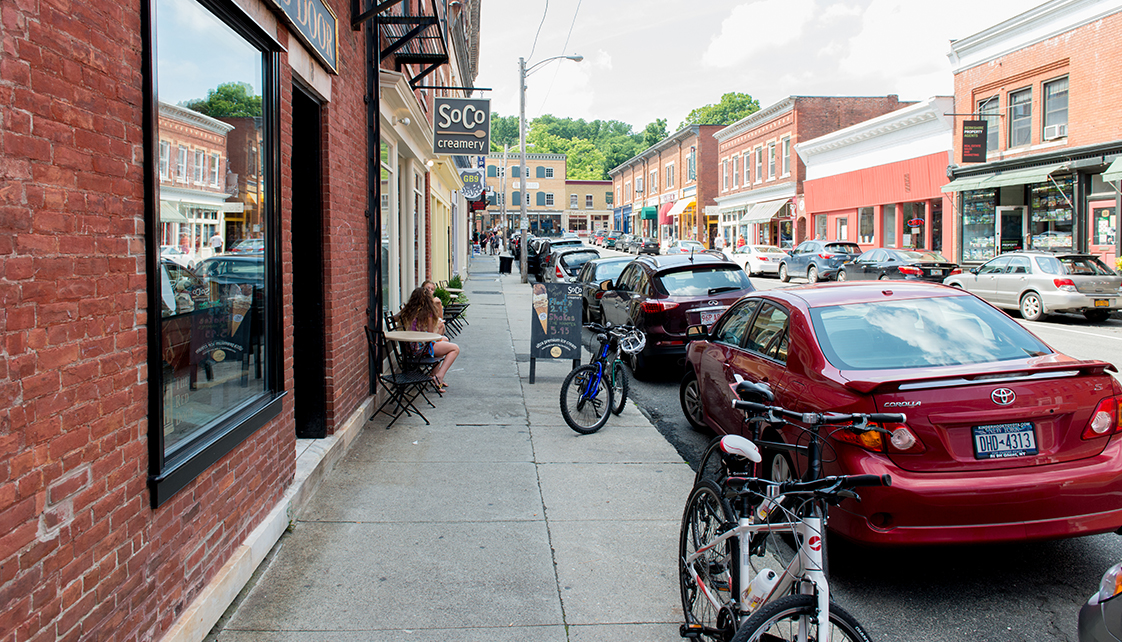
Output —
(714, 303)
(1003, 396)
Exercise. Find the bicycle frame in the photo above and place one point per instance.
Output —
(600, 360)
(803, 574)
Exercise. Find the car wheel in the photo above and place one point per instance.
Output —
(1097, 316)
(1032, 309)
(689, 395)
(842, 276)
(638, 365)
(783, 276)
(584, 312)
(883, 277)
(812, 274)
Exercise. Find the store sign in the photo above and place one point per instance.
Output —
(974, 134)
(462, 126)
(315, 25)
(915, 222)
(473, 183)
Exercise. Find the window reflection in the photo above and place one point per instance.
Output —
(212, 224)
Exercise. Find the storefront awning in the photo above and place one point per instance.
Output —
(648, 213)
(662, 212)
(170, 214)
(1011, 177)
(762, 212)
(679, 207)
(1114, 172)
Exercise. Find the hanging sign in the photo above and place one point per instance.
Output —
(461, 126)
(974, 135)
(473, 183)
(315, 25)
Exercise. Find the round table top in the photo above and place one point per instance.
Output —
(453, 290)
(410, 335)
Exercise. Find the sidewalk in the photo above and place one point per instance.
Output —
(496, 522)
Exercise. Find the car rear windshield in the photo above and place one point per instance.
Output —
(917, 333)
(703, 281)
(767, 249)
(843, 248)
(1075, 265)
(574, 260)
(930, 257)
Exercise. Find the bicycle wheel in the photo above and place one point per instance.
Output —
(780, 620)
(619, 387)
(586, 399)
(705, 517)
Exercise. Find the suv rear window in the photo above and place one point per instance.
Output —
(916, 333)
(703, 281)
(843, 248)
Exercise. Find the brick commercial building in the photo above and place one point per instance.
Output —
(1045, 174)
(759, 176)
(545, 193)
(667, 191)
(150, 413)
(589, 207)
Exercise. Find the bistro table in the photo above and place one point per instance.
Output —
(454, 290)
(412, 336)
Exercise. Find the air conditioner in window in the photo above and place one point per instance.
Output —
(1055, 131)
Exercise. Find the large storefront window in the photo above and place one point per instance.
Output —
(979, 208)
(889, 215)
(212, 367)
(865, 225)
(1051, 209)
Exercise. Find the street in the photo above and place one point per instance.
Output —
(1029, 592)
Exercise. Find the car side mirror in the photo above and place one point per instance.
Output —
(697, 333)
(606, 285)
(974, 270)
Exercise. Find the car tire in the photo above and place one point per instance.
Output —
(783, 276)
(812, 274)
(883, 277)
(638, 365)
(1097, 316)
(1032, 308)
(689, 396)
(584, 316)
(842, 276)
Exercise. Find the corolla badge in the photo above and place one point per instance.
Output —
(1003, 396)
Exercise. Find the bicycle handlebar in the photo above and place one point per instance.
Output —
(829, 486)
(618, 330)
(821, 418)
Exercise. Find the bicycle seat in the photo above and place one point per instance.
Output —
(740, 447)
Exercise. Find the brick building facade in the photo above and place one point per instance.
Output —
(588, 207)
(546, 194)
(1040, 83)
(150, 415)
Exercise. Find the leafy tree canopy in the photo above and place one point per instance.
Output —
(228, 100)
(655, 132)
(732, 107)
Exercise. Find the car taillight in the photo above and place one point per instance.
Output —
(559, 273)
(1067, 285)
(825, 256)
(654, 306)
(763, 258)
(910, 270)
(1105, 420)
(956, 271)
(900, 439)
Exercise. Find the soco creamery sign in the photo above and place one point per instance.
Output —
(462, 126)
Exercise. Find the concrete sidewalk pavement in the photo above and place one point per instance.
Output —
(495, 522)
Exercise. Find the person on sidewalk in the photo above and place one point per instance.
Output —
(430, 287)
(420, 315)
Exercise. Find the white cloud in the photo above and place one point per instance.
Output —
(741, 36)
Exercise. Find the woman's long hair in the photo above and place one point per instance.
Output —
(419, 308)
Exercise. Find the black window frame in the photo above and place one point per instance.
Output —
(169, 475)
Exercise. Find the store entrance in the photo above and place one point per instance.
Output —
(309, 385)
(1012, 228)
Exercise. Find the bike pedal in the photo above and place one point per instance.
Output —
(692, 631)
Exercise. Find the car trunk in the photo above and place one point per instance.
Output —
(1100, 285)
(933, 271)
(1023, 416)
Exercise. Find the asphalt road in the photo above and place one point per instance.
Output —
(1023, 592)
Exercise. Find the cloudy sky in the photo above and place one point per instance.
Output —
(648, 59)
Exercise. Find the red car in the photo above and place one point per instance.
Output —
(1006, 439)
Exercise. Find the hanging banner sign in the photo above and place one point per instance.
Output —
(974, 135)
(462, 126)
(473, 183)
(315, 25)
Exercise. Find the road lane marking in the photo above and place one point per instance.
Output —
(1060, 327)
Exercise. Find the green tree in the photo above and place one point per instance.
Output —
(732, 107)
(228, 100)
(655, 132)
(504, 130)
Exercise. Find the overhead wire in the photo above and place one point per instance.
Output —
(535, 45)
(564, 47)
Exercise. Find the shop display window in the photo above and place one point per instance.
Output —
(865, 225)
(979, 224)
(213, 351)
(1051, 210)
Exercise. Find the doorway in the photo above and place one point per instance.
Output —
(309, 362)
(1012, 227)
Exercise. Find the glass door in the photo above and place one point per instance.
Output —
(1012, 227)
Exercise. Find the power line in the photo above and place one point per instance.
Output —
(535, 45)
(564, 48)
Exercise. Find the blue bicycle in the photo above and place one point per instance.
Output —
(590, 391)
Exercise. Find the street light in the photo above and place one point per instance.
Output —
(522, 222)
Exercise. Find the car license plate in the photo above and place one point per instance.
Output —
(1004, 440)
(709, 318)
(1102, 303)
(936, 272)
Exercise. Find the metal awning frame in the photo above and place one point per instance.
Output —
(412, 40)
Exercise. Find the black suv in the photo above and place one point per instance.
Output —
(664, 295)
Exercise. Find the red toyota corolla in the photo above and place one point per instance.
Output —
(1006, 439)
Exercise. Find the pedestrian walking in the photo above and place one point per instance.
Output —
(216, 242)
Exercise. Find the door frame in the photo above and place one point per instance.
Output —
(1001, 211)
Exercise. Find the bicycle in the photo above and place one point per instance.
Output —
(587, 394)
(728, 596)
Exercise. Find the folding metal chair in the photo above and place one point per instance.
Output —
(403, 387)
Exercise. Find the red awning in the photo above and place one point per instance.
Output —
(664, 213)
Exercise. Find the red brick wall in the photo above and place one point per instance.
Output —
(82, 553)
(1086, 55)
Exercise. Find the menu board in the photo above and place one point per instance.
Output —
(555, 323)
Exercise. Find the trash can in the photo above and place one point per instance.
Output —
(505, 264)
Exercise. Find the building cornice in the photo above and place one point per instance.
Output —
(756, 119)
(676, 138)
(935, 108)
(543, 157)
(194, 118)
(1036, 25)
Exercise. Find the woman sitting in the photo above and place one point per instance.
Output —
(420, 315)
(430, 287)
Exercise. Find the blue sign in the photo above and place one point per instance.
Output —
(316, 26)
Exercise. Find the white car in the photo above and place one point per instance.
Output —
(175, 254)
(757, 259)
(685, 247)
